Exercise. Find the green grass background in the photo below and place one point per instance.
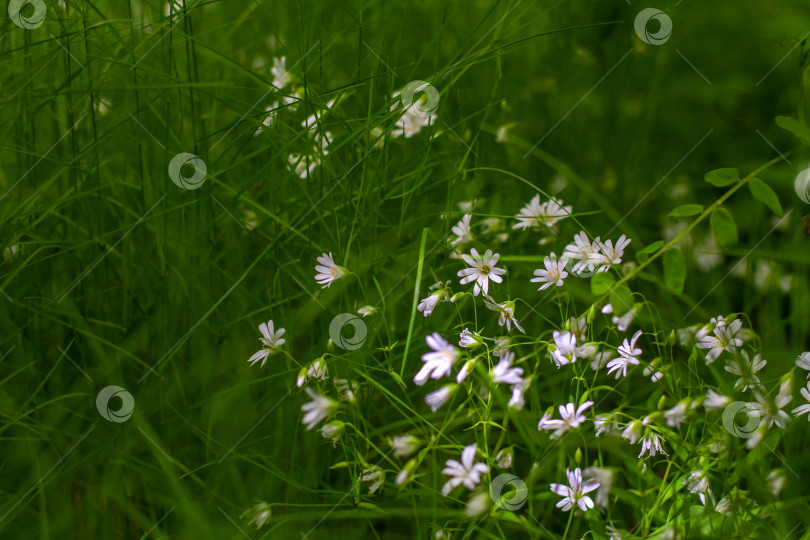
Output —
(186, 285)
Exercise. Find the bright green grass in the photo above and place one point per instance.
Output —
(117, 269)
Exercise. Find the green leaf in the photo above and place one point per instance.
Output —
(724, 228)
(687, 210)
(601, 283)
(674, 270)
(622, 299)
(723, 177)
(645, 253)
(764, 194)
(794, 126)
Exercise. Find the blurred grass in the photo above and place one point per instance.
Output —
(178, 278)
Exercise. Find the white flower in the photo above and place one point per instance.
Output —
(281, 76)
(607, 254)
(482, 269)
(327, 270)
(501, 346)
(724, 339)
(698, 482)
(464, 371)
(803, 361)
(375, 475)
(503, 459)
(405, 445)
(470, 340)
(462, 231)
(554, 274)
(677, 414)
(804, 409)
(365, 311)
(438, 398)
(316, 410)
(746, 370)
(477, 505)
(333, 431)
(776, 481)
(406, 474)
(770, 411)
(506, 313)
(628, 353)
(466, 472)
(412, 120)
(602, 476)
(715, 401)
(570, 419)
(316, 370)
(623, 323)
(504, 372)
(566, 351)
(535, 214)
(581, 250)
(632, 431)
(429, 303)
(438, 362)
(518, 401)
(259, 515)
(271, 339)
(574, 494)
(652, 445)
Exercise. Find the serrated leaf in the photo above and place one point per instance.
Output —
(724, 228)
(687, 210)
(674, 270)
(723, 177)
(622, 300)
(764, 194)
(601, 283)
(794, 126)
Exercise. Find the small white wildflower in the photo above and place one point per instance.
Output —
(715, 401)
(438, 398)
(566, 348)
(482, 269)
(438, 362)
(462, 231)
(554, 273)
(477, 505)
(365, 311)
(574, 494)
(405, 445)
(581, 251)
(506, 313)
(746, 370)
(608, 254)
(504, 373)
(375, 475)
(803, 361)
(333, 431)
(603, 477)
(628, 355)
(318, 409)
(259, 515)
(535, 214)
(406, 474)
(652, 445)
(571, 418)
(804, 409)
(281, 77)
(470, 340)
(503, 459)
(466, 472)
(632, 432)
(327, 270)
(724, 339)
(271, 339)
